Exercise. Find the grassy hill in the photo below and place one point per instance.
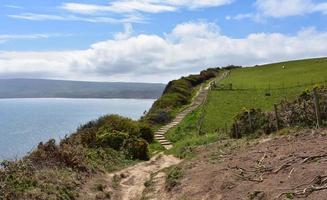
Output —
(294, 73)
(253, 87)
(57, 171)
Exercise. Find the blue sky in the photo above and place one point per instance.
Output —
(153, 40)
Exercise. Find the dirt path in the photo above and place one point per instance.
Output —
(127, 184)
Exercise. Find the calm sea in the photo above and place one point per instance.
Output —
(26, 122)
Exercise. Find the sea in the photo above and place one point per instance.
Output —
(26, 122)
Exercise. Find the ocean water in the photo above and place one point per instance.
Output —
(26, 122)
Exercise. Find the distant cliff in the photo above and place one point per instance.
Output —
(42, 88)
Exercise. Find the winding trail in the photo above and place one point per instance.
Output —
(129, 183)
(198, 100)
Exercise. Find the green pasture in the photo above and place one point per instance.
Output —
(253, 87)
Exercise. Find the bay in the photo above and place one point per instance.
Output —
(26, 122)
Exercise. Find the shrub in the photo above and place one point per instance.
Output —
(291, 114)
(45, 154)
(258, 120)
(73, 157)
(88, 136)
(113, 139)
(195, 79)
(180, 86)
(177, 94)
(15, 179)
(230, 67)
(173, 177)
(146, 133)
(112, 123)
(136, 149)
(160, 116)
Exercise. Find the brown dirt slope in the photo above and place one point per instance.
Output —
(284, 167)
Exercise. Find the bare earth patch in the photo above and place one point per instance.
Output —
(286, 167)
(127, 184)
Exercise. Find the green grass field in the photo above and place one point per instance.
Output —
(255, 87)
(301, 72)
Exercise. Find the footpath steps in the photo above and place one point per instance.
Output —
(198, 100)
(160, 134)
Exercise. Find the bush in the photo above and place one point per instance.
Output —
(112, 123)
(298, 113)
(173, 177)
(146, 133)
(136, 149)
(73, 157)
(55, 171)
(160, 117)
(15, 179)
(230, 67)
(113, 139)
(177, 94)
(195, 79)
(45, 154)
(88, 137)
(259, 120)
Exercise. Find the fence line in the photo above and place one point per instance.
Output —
(269, 87)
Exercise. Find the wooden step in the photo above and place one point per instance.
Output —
(159, 137)
(166, 143)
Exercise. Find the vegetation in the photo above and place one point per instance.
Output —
(258, 87)
(298, 113)
(174, 174)
(280, 75)
(55, 171)
(177, 94)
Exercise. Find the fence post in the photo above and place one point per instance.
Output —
(250, 121)
(276, 117)
(237, 134)
(317, 108)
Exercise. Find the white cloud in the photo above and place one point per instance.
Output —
(285, 8)
(94, 19)
(128, 31)
(124, 11)
(5, 38)
(240, 16)
(118, 7)
(146, 6)
(14, 7)
(188, 48)
(281, 9)
(193, 4)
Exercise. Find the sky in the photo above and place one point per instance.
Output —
(153, 40)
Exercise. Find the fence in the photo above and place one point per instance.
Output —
(310, 109)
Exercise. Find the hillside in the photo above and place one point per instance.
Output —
(40, 88)
(257, 87)
(230, 145)
(59, 170)
(260, 163)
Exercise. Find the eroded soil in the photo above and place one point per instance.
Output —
(127, 184)
(284, 167)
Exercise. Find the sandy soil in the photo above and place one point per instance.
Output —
(127, 184)
(287, 167)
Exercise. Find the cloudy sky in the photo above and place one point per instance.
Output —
(153, 40)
